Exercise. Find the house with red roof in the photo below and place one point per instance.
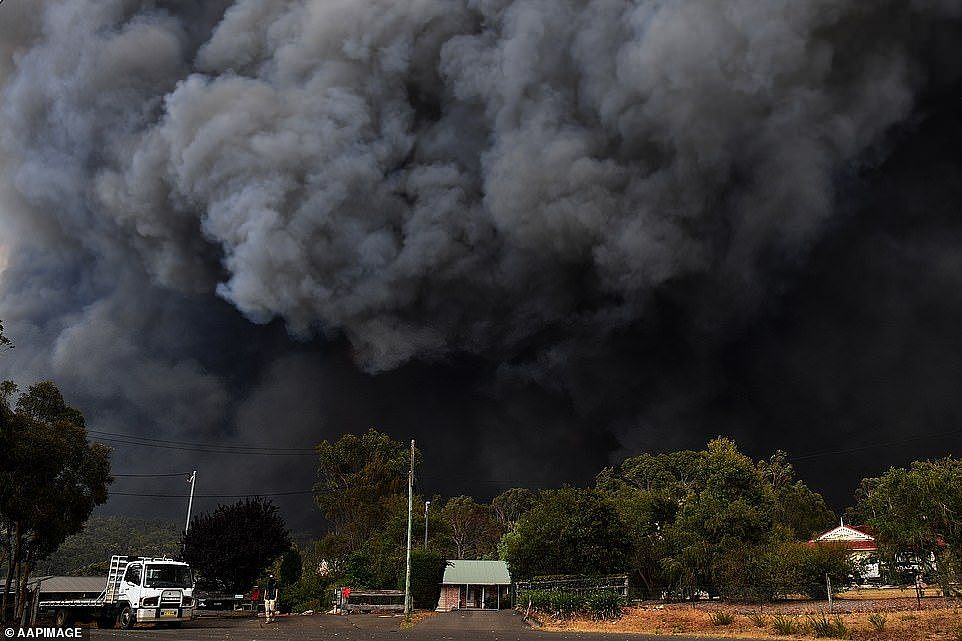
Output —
(862, 546)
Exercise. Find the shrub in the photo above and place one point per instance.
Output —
(604, 604)
(782, 624)
(600, 604)
(877, 619)
(818, 560)
(825, 627)
(567, 604)
(776, 569)
(758, 619)
(427, 571)
(721, 618)
(538, 599)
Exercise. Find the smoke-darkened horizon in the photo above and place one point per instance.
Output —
(535, 235)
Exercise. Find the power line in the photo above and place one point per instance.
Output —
(869, 446)
(212, 496)
(214, 449)
(221, 446)
(150, 476)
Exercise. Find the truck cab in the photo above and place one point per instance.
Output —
(155, 591)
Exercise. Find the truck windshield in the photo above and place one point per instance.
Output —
(168, 576)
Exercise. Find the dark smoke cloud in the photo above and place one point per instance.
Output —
(535, 234)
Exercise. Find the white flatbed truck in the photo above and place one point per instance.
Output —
(137, 590)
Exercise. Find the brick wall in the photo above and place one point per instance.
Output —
(450, 596)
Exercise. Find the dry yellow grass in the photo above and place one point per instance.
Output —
(933, 624)
(887, 593)
(416, 617)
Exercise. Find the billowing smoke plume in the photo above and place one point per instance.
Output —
(591, 200)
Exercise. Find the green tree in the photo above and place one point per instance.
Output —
(567, 531)
(802, 511)
(798, 508)
(731, 505)
(914, 513)
(511, 504)
(234, 544)
(51, 479)
(358, 476)
(472, 528)
(687, 511)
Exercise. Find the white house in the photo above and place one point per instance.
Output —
(861, 545)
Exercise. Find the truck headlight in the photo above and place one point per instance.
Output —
(188, 601)
(150, 601)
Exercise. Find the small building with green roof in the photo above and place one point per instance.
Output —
(475, 585)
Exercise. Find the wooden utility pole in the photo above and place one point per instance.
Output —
(407, 571)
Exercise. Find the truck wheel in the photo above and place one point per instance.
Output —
(62, 618)
(127, 619)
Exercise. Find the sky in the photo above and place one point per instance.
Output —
(537, 236)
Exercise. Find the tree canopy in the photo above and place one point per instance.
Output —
(234, 544)
(914, 513)
(511, 504)
(567, 531)
(472, 528)
(51, 479)
(357, 476)
(689, 511)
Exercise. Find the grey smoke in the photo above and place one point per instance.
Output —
(520, 182)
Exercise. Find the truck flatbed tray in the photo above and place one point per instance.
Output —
(72, 603)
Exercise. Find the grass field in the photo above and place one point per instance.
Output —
(939, 620)
(888, 593)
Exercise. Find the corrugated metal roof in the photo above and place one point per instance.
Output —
(466, 571)
(82, 584)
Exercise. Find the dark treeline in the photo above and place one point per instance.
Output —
(678, 523)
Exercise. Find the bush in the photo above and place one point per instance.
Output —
(427, 571)
(567, 604)
(825, 627)
(539, 600)
(776, 569)
(311, 591)
(782, 624)
(818, 560)
(604, 604)
(877, 619)
(758, 619)
(721, 618)
(599, 604)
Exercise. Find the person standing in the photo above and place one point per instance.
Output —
(270, 599)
